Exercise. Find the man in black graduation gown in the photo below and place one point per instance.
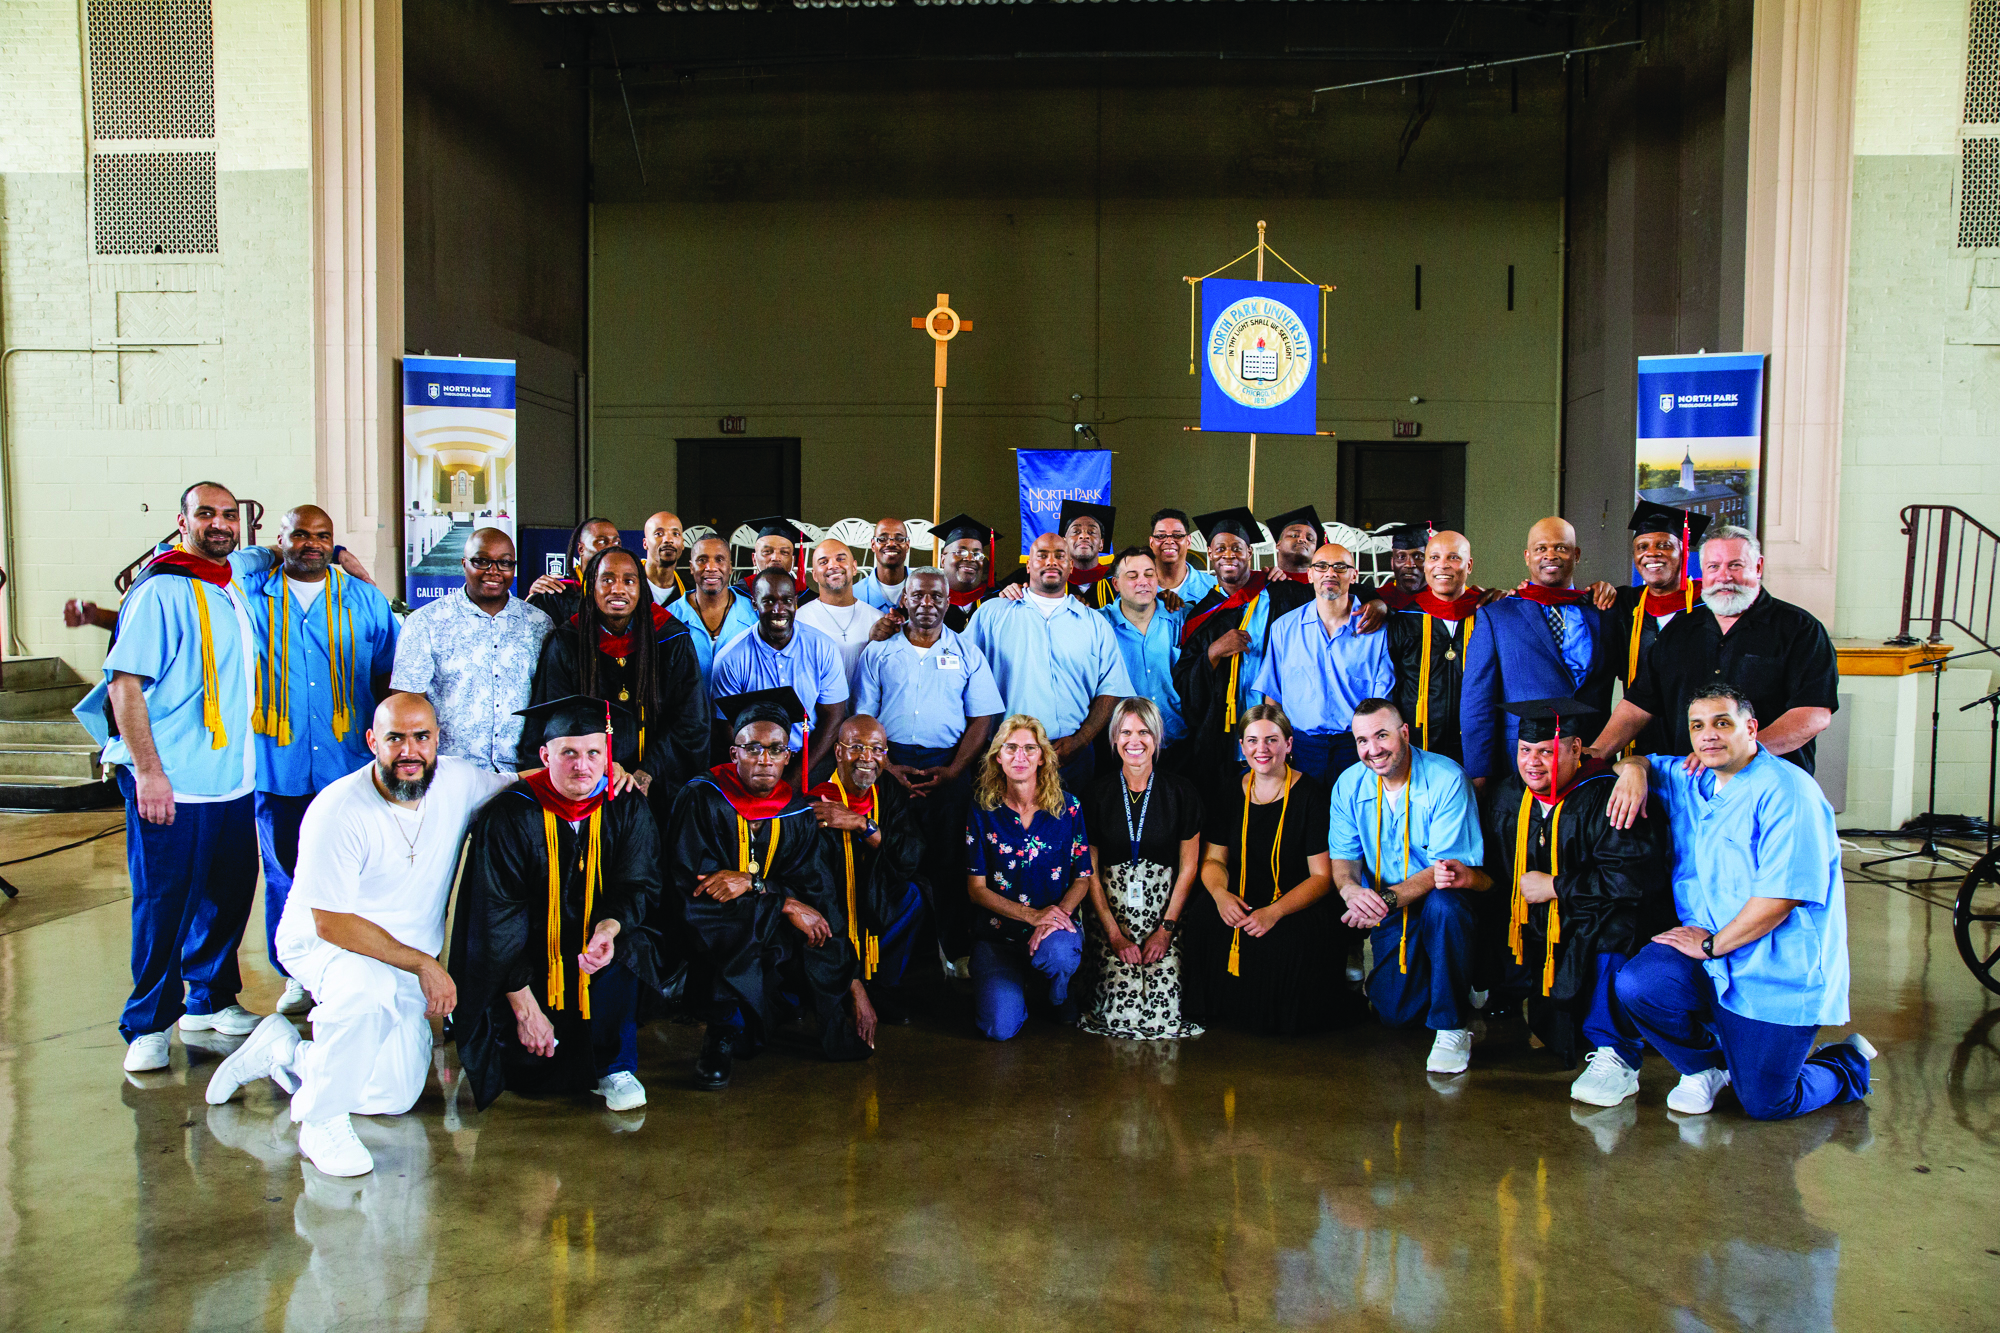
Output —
(1584, 897)
(1226, 628)
(780, 544)
(874, 851)
(1085, 531)
(965, 552)
(1295, 535)
(1427, 643)
(1661, 539)
(549, 959)
(756, 900)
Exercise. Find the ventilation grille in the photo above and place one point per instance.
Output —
(1982, 65)
(152, 69)
(154, 203)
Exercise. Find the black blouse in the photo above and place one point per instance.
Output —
(1173, 817)
(1305, 822)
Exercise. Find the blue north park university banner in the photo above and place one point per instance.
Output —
(1258, 350)
(1701, 434)
(1051, 476)
(458, 465)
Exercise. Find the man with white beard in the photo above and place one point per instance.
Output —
(1777, 654)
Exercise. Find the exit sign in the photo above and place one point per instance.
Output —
(1407, 430)
(731, 425)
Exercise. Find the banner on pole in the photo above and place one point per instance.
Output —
(458, 465)
(1701, 435)
(1051, 476)
(1259, 348)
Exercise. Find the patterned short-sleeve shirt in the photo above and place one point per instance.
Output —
(477, 670)
(1033, 864)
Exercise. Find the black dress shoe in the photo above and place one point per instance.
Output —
(712, 1067)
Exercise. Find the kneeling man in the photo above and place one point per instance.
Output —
(1586, 893)
(362, 929)
(756, 898)
(552, 940)
(1736, 996)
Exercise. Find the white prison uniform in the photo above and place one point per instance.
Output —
(371, 1044)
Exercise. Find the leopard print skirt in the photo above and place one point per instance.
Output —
(1136, 1002)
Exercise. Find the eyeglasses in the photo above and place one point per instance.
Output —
(868, 751)
(890, 539)
(486, 566)
(764, 751)
(1014, 751)
(1321, 567)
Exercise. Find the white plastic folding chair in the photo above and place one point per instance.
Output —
(920, 538)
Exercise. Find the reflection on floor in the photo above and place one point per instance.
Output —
(1058, 1181)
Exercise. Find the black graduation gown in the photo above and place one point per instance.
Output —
(1654, 738)
(956, 618)
(882, 875)
(746, 948)
(1406, 649)
(674, 719)
(1613, 894)
(1204, 688)
(500, 938)
(558, 606)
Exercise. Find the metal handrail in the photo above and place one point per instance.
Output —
(252, 517)
(1951, 567)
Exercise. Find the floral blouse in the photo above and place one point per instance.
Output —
(1034, 865)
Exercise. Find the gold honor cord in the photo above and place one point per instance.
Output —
(867, 945)
(744, 861)
(1243, 860)
(1403, 944)
(1424, 682)
(593, 878)
(1517, 916)
(211, 699)
(1235, 668)
(273, 714)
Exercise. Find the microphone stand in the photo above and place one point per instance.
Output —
(1992, 701)
(1930, 850)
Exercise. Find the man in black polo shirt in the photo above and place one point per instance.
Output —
(1777, 654)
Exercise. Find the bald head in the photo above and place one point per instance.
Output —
(305, 541)
(1447, 565)
(663, 541)
(1552, 553)
(1332, 571)
(404, 739)
(860, 750)
(833, 567)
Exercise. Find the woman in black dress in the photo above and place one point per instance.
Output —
(1145, 839)
(1267, 948)
(654, 674)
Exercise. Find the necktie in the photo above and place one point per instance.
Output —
(1555, 615)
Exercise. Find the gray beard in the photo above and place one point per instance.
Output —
(1728, 602)
(406, 791)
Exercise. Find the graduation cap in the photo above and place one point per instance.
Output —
(781, 707)
(1072, 510)
(1239, 521)
(1407, 536)
(1305, 514)
(1650, 517)
(777, 525)
(1541, 719)
(959, 527)
(581, 715)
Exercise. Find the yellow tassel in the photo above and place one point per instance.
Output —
(1424, 691)
(1235, 669)
(1517, 907)
(867, 948)
(554, 931)
(211, 698)
(592, 873)
(1555, 921)
(1403, 944)
(1243, 861)
(340, 647)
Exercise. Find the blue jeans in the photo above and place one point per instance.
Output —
(1667, 999)
(1323, 755)
(614, 1026)
(1600, 1023)
(192, 883)
(1432, 992)
(278, 820)
(1000, 974)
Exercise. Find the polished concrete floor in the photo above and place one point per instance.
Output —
(1060, 1181)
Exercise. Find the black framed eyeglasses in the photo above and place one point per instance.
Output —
(488, 566)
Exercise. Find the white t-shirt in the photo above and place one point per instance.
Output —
(305, 593)
(1048, 606)
(847, 626)
(355, 855)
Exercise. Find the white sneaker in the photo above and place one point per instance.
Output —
(1695, 1093)
(268, 1048)
(296, 999)
(1861, 1044)
(1606, 1079)
(147, 1052)
(235, 1020)
(331, 1146)
(621, 1091)
(1478, 998)
(1451, 1053)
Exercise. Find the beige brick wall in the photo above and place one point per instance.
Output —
(101, 444)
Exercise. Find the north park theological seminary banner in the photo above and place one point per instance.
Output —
(1259, 353)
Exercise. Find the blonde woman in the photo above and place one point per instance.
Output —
(1145, 840)
(1027, 867)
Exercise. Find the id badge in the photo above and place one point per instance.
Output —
(948, 662)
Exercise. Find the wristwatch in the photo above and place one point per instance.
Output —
(757, 884)
(1708, 944)
(870, 828)
(1169, 925)
(1388, 897)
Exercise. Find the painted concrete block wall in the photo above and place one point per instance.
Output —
(1922, 413)
(101, 444)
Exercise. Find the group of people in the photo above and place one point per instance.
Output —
(1135, 794)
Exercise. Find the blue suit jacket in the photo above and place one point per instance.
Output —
(1512, 656)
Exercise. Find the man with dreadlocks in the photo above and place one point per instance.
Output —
(756, 900)
(604, 652)
(553, 939)
(325, 645)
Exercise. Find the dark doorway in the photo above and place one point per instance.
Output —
(724, 482)
(1382, 482)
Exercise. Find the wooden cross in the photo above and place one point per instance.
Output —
(942, 324)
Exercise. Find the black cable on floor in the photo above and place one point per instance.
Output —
(68, 846)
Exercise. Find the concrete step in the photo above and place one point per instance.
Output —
(34, 673)
(60, 730)
(66, 763)
(35, 791)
